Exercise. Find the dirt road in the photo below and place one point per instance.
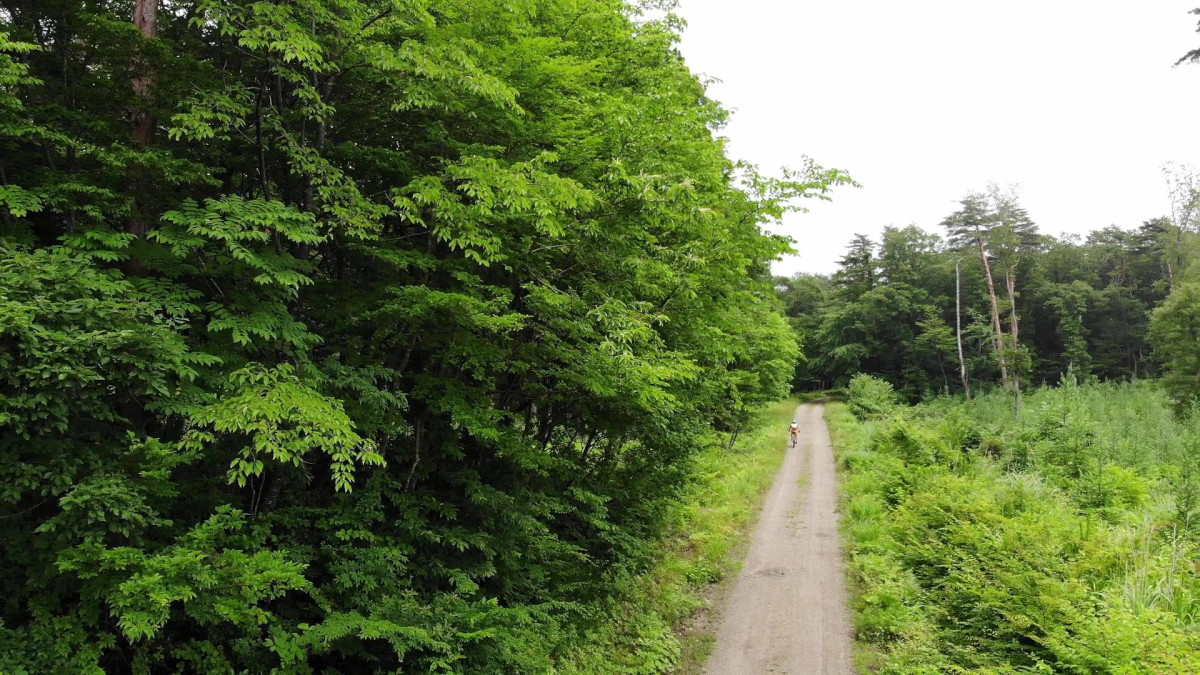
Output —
(787, 613)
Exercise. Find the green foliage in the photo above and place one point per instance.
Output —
(1049, 543)
(285, 422)
(1070, 303)
(387, 349)
(1175, 333)
(870, 397)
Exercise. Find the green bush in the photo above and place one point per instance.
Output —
(888, 609)
(871, 398)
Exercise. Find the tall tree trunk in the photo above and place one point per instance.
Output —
(999, 332)
(1010, 281)
(962, 363)
(145, 19)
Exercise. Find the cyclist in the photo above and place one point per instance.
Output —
(794, 432)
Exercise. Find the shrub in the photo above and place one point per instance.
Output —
(913, 443)
(960, 431)
(1113, 490)
(887, 606)
(870, 397)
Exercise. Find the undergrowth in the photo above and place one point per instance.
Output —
(646, 629)
(1060, 540)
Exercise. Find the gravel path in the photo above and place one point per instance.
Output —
(788, 613)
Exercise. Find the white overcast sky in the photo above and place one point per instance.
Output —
(1075, 102)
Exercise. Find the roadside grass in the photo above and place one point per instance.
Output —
(1060, 540)
(861, 527)
(661, 620)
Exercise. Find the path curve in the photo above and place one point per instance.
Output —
(787, 613)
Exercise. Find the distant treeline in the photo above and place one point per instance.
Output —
(1028, 307)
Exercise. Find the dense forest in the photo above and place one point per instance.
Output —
(995, 301)
(358, 335)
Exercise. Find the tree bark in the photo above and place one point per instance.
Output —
(999, 336)
(962, 363)
(273, 490)
(412, 470)
(1011, 282)
(145, 19)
